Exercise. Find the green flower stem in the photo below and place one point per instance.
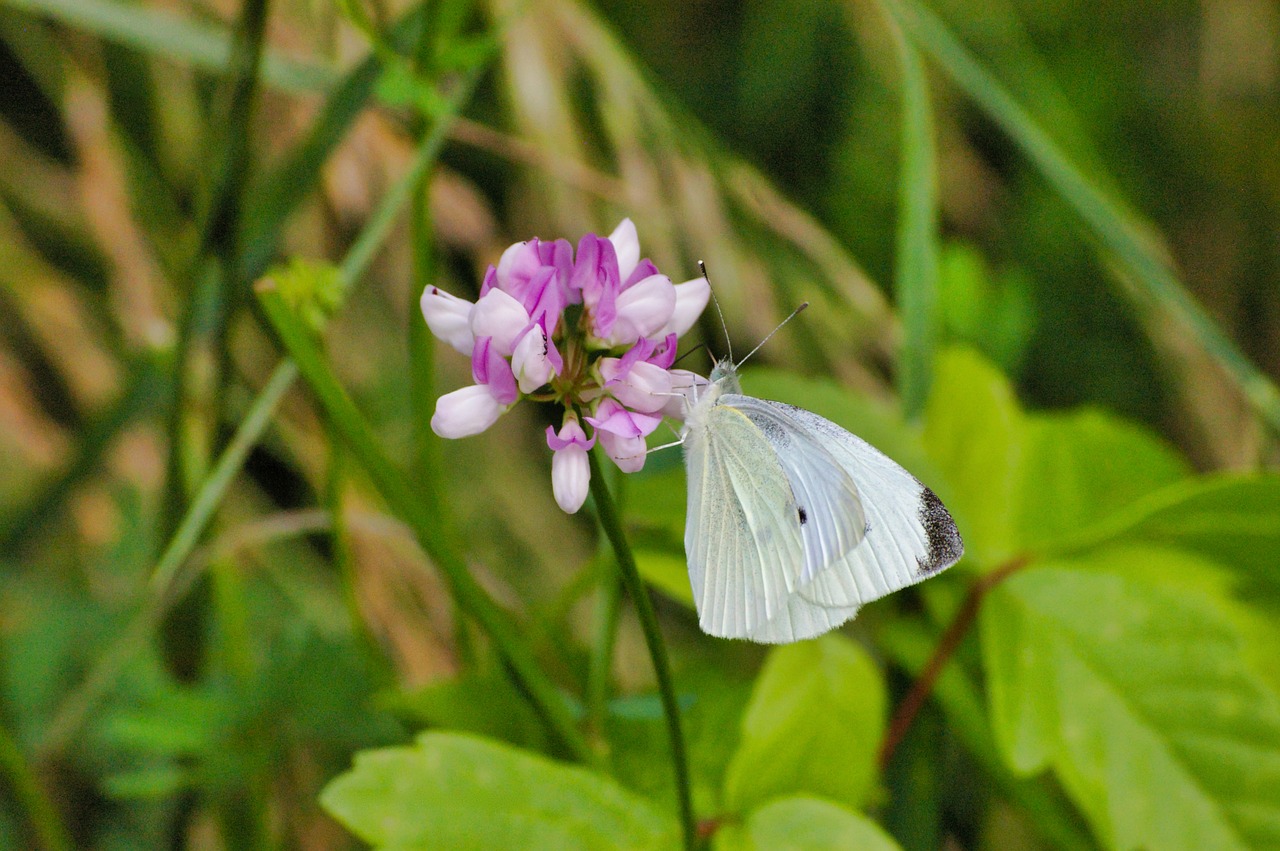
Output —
(612, 525)
(50, 833)
(301, 344)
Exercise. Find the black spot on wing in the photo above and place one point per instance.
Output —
(802, 514)
(945, 546)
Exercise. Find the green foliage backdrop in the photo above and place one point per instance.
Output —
(249, 600)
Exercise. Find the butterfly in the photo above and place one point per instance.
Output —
(794, 523)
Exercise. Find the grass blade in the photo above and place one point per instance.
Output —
(146, 393)
(916, 269)
(1156, 283)
(151, 30)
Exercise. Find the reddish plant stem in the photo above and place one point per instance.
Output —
(911, 705)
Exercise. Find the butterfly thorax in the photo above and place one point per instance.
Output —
(723, 379)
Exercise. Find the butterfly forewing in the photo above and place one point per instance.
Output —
(909, 534)
(828, 510)
(742, 537)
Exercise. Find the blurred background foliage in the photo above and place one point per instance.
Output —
(1040, 241)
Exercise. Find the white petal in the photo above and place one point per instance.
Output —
(570, 478)
(691, 300)
(688, 385)
(626, 244)
(500, 316)
(465, 412)
(529, 361)
(449, 318)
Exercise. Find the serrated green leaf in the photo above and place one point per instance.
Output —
(1081, 467)
(457, 791)
(1138, 698)
(1231, 519)
(813, 726)
(804, 824)
(975, 434)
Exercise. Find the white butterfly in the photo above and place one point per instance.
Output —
(794, 523)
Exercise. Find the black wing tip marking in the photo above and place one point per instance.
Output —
(945, 546)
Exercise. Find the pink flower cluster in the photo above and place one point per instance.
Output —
(593, 331)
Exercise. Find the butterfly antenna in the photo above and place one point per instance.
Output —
(727, 342)
(793, 315)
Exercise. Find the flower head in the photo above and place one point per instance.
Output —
(609, 356)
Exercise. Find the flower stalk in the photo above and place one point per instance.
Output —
(405, 502)
(612, 525)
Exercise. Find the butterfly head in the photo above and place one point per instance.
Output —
(724, 377)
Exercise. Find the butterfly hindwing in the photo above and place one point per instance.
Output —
(742, 537)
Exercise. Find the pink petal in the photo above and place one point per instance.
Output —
(571, 434)
(595, 275)
(664, 353)
(688, 385)
(544, 300)
(517, 265)
(491, 369)
(643, 269)
(642, 387)
(613, 418)
(643, 310)
(627, 452)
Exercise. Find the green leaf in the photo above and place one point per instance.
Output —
(813, 725)
(668, 572)
(1139, 699)
(993, 314)
(1231, 519)
(456, 791)
(1080, 468)
(804, 824)
(975, 433)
